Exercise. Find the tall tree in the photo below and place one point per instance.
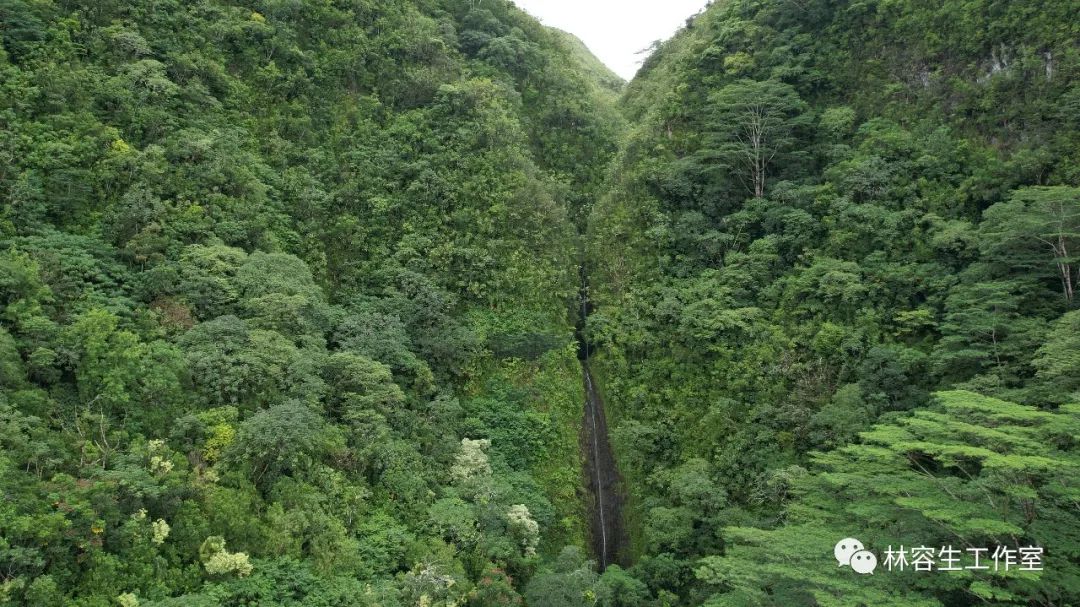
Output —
(1037, 229)
(753, 125)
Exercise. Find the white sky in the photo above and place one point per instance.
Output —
(615, 30)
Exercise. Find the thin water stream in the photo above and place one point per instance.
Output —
(603, 482)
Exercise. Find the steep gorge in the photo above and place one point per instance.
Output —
(284, 290)
(603, 483)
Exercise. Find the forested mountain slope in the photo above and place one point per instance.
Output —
(263, 266)
(287, 294)
(826, 212)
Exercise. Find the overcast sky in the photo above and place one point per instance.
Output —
(615, 30)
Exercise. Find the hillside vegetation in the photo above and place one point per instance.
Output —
(288, 294)
(263, 267)
(825, 213)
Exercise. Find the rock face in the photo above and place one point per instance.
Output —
(603, 482)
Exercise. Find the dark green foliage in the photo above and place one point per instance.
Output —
(755, 124)
(286, 438)
(494, 589)
(1058, 360)
(825, 212)
(568, 583)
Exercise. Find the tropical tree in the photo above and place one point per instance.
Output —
(1036, 230)
(753, 125)
(969, 472)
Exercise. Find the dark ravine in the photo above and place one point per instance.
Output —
(609, 538)
(603, 482)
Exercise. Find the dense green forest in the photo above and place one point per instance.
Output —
(834, 278)
(288, 295)
(284, 290)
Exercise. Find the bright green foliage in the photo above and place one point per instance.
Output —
(119, 377)
(219, 561)
(968, 472)
(524, 528)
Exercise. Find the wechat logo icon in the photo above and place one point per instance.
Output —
(851, 552)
